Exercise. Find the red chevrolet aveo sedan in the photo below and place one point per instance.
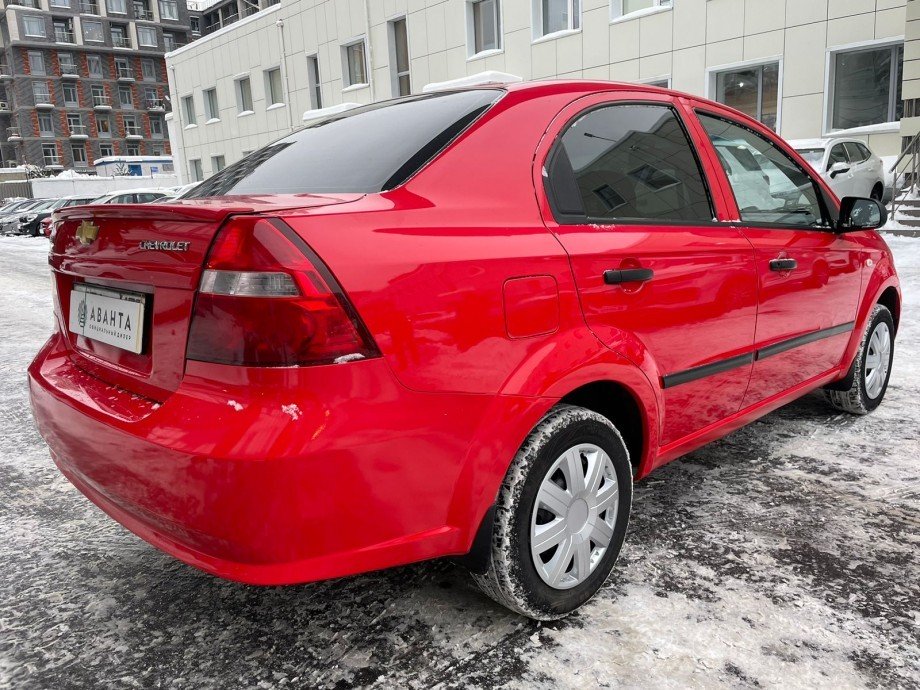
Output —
(453, 324)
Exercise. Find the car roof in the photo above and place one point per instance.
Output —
(823, 143)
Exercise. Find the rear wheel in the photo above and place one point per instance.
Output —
(877, 191)
(872, 367)
(561, 515)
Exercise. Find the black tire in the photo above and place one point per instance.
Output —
(878, 191)
(856, 399)
(512, 578)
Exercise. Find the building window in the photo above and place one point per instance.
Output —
(169, 41)
(120, 36)
(156, 127)
(71, 97)
(752, 90)
(123, 69)
(147, 36)
(125, 97)
(132, 149)
(217, 164)
(243, 95)
(194, 169)
(211, 111)
(92, 31)
(106, 150)
(354, 64)
(36, 63)
(157, 150)
(68, 64)
(313, 80)
(50, 154)
(116, 6)
(484, 25)
(399, 57)
(151, 97)
(866, 87)
(553, 16)
(94, 66)
(188, 109)
(104, 126)
(45, 125)
(75, 123)
(99, 95)
(149, 70)
(34, 26)
(132, 129)
(274, 94)
(60, 3)
(78, 151)
(618, 8)
(40, 92)
(169, 9)
(195, 23)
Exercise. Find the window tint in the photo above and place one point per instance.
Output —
(628, 162)
(838, 155)
(368, 149)
(777, 191)
(854, 153)
(864, 150)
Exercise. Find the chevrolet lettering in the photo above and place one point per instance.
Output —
(164, 246)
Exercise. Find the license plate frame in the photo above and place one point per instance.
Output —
(107, 315)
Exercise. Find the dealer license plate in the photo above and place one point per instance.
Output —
(108, 316)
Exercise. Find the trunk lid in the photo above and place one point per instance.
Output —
(153, 254)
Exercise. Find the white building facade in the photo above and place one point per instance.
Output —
(807, 68)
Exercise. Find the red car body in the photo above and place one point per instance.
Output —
(483, 313)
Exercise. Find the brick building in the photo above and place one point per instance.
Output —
(84, 79)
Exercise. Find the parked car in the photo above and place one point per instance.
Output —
(30, 223)
(9, 221)
(847, 165)
(175, 193)
(135, 196)
(470, 344)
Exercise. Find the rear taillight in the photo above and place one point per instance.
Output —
(265, 299)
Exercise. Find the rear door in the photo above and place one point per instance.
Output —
(660, 280)
(809, 276)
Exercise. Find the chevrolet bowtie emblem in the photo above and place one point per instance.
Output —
(87, 232)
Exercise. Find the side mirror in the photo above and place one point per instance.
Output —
(857, 213)
(839, 169)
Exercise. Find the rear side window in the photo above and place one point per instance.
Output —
(854, 152)
(369, 149)
(628, 163)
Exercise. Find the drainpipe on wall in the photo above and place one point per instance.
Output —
(284, 75)
(177, 115)
(370, 48)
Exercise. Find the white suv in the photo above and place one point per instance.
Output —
(848, 165)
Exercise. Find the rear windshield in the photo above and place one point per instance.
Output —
(368, 149)
(812, 156)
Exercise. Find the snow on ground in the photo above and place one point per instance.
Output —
(786, 555)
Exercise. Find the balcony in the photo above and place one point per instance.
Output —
(155, 104)
(101, 102)
(143, 15)
(125, 74)
(70, 72)
(89, 7)
(121, 41)
(133, 132)
(78, 132)
(43, 101)
(64, 36)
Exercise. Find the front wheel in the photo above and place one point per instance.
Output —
(561, 515)
(872, 367)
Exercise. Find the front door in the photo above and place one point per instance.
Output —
(809, 276)
(660, 280)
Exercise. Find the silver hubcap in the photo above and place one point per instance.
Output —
(574, 516)
(878, 359)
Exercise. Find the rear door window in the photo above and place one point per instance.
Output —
(854, 153)
(627, 162)
(369, 149)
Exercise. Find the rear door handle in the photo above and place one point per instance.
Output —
(783, 264)
(628, 275)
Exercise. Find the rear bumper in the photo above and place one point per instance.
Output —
(268, 476)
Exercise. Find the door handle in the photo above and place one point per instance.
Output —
(628, 275)
(783, 264)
